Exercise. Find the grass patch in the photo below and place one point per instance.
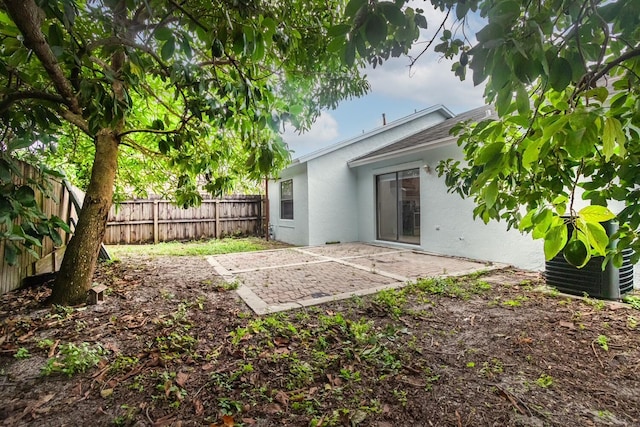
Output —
(203, 247)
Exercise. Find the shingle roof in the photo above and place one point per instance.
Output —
(438, 132)
(396, 123)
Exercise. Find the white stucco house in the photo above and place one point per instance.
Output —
(382, 187)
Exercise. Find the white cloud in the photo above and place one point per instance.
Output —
(430, 81)
(324, 130)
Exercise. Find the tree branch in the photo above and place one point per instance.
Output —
(619, 60)
(117, 41)
(11, 98)
(189, 15)
(78, 121)
(157, 131)
(414, 60)
(28, 18)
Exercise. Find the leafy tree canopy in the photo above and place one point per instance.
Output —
(564, 77)
(187, 88)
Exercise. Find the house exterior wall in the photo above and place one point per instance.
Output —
(447, 224)
(325, 201)
(333, 202)
(296, 230)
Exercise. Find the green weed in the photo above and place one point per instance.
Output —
(169, 389)
(596, 304)
(73, 359)
(633, 301)
(45, 343)
(22, 353)
(392, 300)
(603, 342)
(544, 381)
(517, 302)
(123, 363)
(401, 396)
(228, 406)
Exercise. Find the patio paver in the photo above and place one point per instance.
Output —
(283, 279)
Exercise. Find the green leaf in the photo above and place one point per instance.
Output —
(338, 30)
(336, 44)
(163, 146)
(167, 49)
(526, 222)
(596, 213)
(461, 9)
(21, 142)
(491, 194)
(5, 171)
(25, 196)
(55, 236)
(375, 30)
(420, 21)
(489, 153)
(10, 253)
(217, 49)
(612, 134)
(353, 6)
(542, 221)
(296, 109)
(560, 204)
(555, 240)
(163, 34)
(577, 145)
(350, 53)
(55, 38)
(491, 31)
(58, 222)
(522, 100)
(597, 236)
(531, 154)
(393, 13)
(560, 74)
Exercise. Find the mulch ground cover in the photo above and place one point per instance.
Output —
(173, 345)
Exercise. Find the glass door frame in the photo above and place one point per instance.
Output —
(400, 215)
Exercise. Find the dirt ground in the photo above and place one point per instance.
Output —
(173, 345)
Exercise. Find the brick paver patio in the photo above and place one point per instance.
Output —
(282, 279)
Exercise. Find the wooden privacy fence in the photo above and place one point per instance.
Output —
(153, 221)
(60, 202)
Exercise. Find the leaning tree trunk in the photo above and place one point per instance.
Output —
(76, 272)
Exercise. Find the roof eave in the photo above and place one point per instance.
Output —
(326, 150)
(401, 152)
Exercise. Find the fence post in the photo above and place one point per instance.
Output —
(216, 205)
(155, 222)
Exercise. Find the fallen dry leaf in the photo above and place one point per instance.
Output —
(227, 421)
(272, 408)
(52, 349)
(198, 406)
(106, 392)
(281, 341)
(569, 325)
(282, 397)
(181, 378)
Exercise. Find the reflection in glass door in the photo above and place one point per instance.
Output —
(398, 206)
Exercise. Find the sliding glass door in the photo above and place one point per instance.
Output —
(398, 206)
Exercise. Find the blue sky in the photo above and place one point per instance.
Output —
(397, 92)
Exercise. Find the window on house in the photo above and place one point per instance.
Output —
(286, 199)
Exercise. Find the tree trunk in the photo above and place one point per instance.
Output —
(76, 272)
